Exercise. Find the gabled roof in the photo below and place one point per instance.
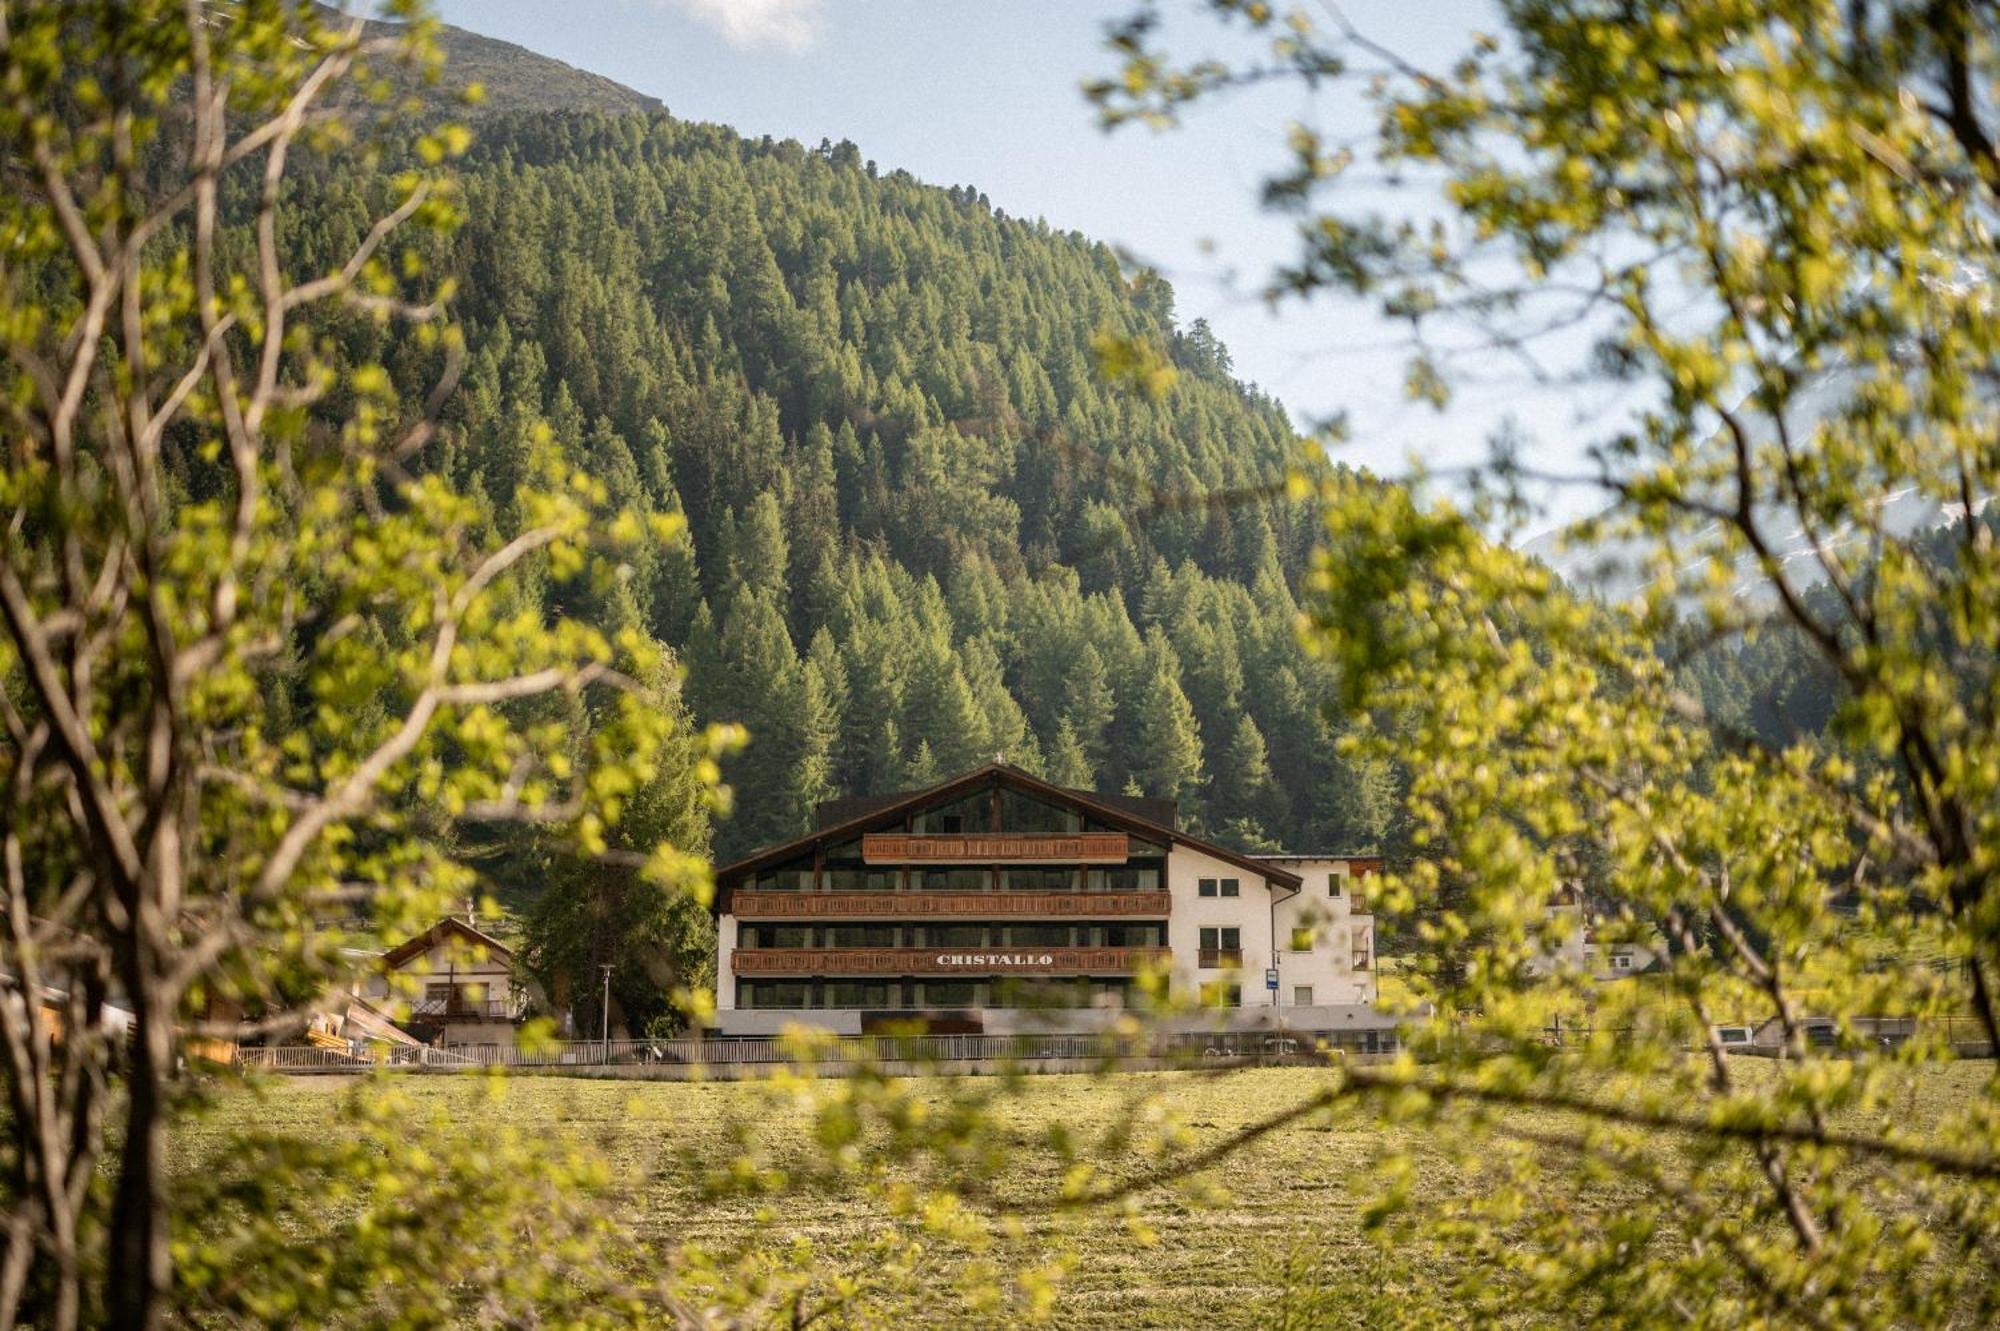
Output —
(1303, 857)
(1120, 815)
(436, 934)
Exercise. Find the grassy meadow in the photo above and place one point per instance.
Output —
(1293, 1201)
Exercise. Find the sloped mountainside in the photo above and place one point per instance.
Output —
(516, 79)
(925, 530)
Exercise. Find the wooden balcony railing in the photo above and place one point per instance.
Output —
(468, 1009)
(968, 962)
(1012, 847)
(1216, 958)
(916, 905)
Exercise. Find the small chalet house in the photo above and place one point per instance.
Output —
(995, 902)
(1582, 951)
(459, 983)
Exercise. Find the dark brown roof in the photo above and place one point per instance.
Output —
(1121, 811)
(434, 935)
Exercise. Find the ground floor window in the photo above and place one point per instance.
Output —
(861, 994)
(1221, 993)
(1302, 995)
(774, 994)
(950, 993)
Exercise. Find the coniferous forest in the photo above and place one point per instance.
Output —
(923, 529)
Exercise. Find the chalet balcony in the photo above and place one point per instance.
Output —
(1220, 958)
(967, 962)
(468, 1009)
(920, 905)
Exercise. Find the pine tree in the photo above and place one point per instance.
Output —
(1243, 792)
(922, 768)
(1089, 706)
(1067, 764)
(941, 711)
(1166, 758)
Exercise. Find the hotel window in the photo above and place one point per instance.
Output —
(1207, 887)
(1303, 937)
(954, 880)
(1021, 992)
(1302, 995)
(777, 935)
(1022, 813)
(1128, 935)
(949, 993)
(1040, 879)
(859, 994)
(971, 814)
(794, 877)
(861, 935)
(858, 878)
(775, 994)
(1038, 935)
(1221, 993)
(954, 935)
(1221, 947)
(1333, 884)
(1130, 878)
(1229, 887)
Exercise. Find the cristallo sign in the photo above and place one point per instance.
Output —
(988, 960)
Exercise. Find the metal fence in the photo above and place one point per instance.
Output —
(980, 1052)
(920, 1051)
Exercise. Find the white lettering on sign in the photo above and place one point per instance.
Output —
(996, 959)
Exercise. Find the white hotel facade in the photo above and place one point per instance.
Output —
(995, 902)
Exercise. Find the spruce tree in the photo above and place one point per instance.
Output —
(1166, 758)
(1066, 763)
(1242, 792)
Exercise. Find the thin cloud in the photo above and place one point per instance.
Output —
(789, 25)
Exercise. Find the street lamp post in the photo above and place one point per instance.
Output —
(605, 1035)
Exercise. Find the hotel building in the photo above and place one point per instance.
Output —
(996, 902)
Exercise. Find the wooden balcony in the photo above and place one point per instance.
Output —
(468, 1009)
(919, 905)
(969, 962)
(984, 847)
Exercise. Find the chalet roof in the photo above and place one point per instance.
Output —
(1304, 856)
(436, 934)
(1122, 812)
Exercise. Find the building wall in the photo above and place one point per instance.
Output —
(455, 961)
(1249, 913)
(1342, 931)
(725, 974)
(1326, 969)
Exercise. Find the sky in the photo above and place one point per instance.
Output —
(986, 93)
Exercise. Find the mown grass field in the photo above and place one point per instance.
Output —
(1295, 1197)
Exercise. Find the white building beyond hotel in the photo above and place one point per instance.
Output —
(997, 902)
